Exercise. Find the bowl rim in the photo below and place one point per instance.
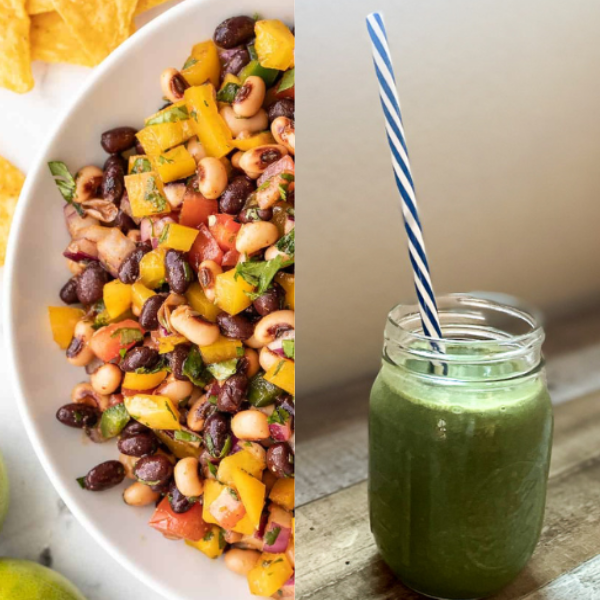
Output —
(25, 198)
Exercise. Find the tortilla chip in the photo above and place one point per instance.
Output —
(15, 61)
(36, 7)
(99, 26)
(11, 182)
(52, 42)
(144, 5)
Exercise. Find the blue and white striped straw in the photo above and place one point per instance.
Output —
(402, 173)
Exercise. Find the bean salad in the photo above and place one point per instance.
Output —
(180, 306)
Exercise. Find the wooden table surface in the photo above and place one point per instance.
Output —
(336, 556)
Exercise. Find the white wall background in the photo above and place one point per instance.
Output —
(501, 104)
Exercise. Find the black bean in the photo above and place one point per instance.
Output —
(282, 108)
(142, 444)
(179, 503)
(129, 271)
(139, 149)
(113, 179)
(233, 60)
(153, 470)
(280, 460)
(139, 357)
(124, 222)
(234, 32)
(118, 139)
(217, 434)
(202, 413)
(104, 476)
(90, 284)
(270, 301)
(232, 393)
(235, 326)
(176, 360)
(78, 415)
(233, 198)
(133, 428)
(253, 213)
(286, 402)
(178, 271)
(68, 292)
(149, 313)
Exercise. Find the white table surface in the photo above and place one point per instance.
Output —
(39, 526)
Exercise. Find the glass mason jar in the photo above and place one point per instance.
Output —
(460, 438)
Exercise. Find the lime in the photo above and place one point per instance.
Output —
(26, 580)
(3, 491)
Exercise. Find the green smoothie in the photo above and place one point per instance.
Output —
(458, 475)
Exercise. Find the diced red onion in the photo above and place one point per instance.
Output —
(281, 543)
(114, 249)
(158, 228)
(287, 591)
(276, 345)
(174, 193)
(81, 250)
(146, 229)
(279, 432)
(283, 165)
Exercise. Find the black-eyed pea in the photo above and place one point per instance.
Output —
(241, 561)
(249, 97)
(87, 182)
(173, 84)
(138, 494)
(186, 477)
(212, 177)
(232, 537)
(255, 236)
(253, 364)
(256, 160)
(192, 326)
(196, 149)
(253, 343)
(199, 411)
(235, 160)
(267, 358)
(269, 328)
(237, 125)
(106, 379)
(284, 132)
(79, 354)
(256, 450)
(175, 389)
(84, 393)
(250, 425)
(207, 277)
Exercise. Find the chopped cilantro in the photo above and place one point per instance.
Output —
(153, 196)
(190, 62)
(114, 420)
(289, 177)
(209, 535)
(186, 436)
(128, 335)
(141, 165)
(287, 81)
(272, 535)
(122, 352)
(222, 542)
(165, 160)
(213, 399)
(161, 365)
(170, 115)
(164, 234)
(287, 244)
(212, 468)
(259, 274)
(65, 182)
(223, 370)
(81, 482)
(279, 416)
(228, 92)
(233, 493)
(194, 368)
(279, 367)
(289, 348)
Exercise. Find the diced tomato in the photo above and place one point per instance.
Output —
(196, 209)
(224, 230)
(230, 259)
(289, 93)
(107, 343)
(205, 247)
(188, 525)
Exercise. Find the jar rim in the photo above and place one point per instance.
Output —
(405, 330)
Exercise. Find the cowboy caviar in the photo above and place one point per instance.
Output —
(181, 304)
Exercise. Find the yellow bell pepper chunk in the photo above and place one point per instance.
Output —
(156, 412)
(160, 137)
(240, 460)
(222, 349)
(208, 124)
(212, 544)
(287, 282)
(62, 322)
(200, 303)
(269, 574)
(206, 67)
(143, 381)
(230, 292)
(146, 194)
(282, 374)
(212, 489)
(274, 45)
(245, 526)
(117, 298)
(168, 343)
(260, 139)
(139, 163)
(178, 237)
(283, 493)
(152, 268)
(252, 493)
(139, 294)
(175, 164)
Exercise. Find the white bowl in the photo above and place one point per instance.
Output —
(124, 89)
